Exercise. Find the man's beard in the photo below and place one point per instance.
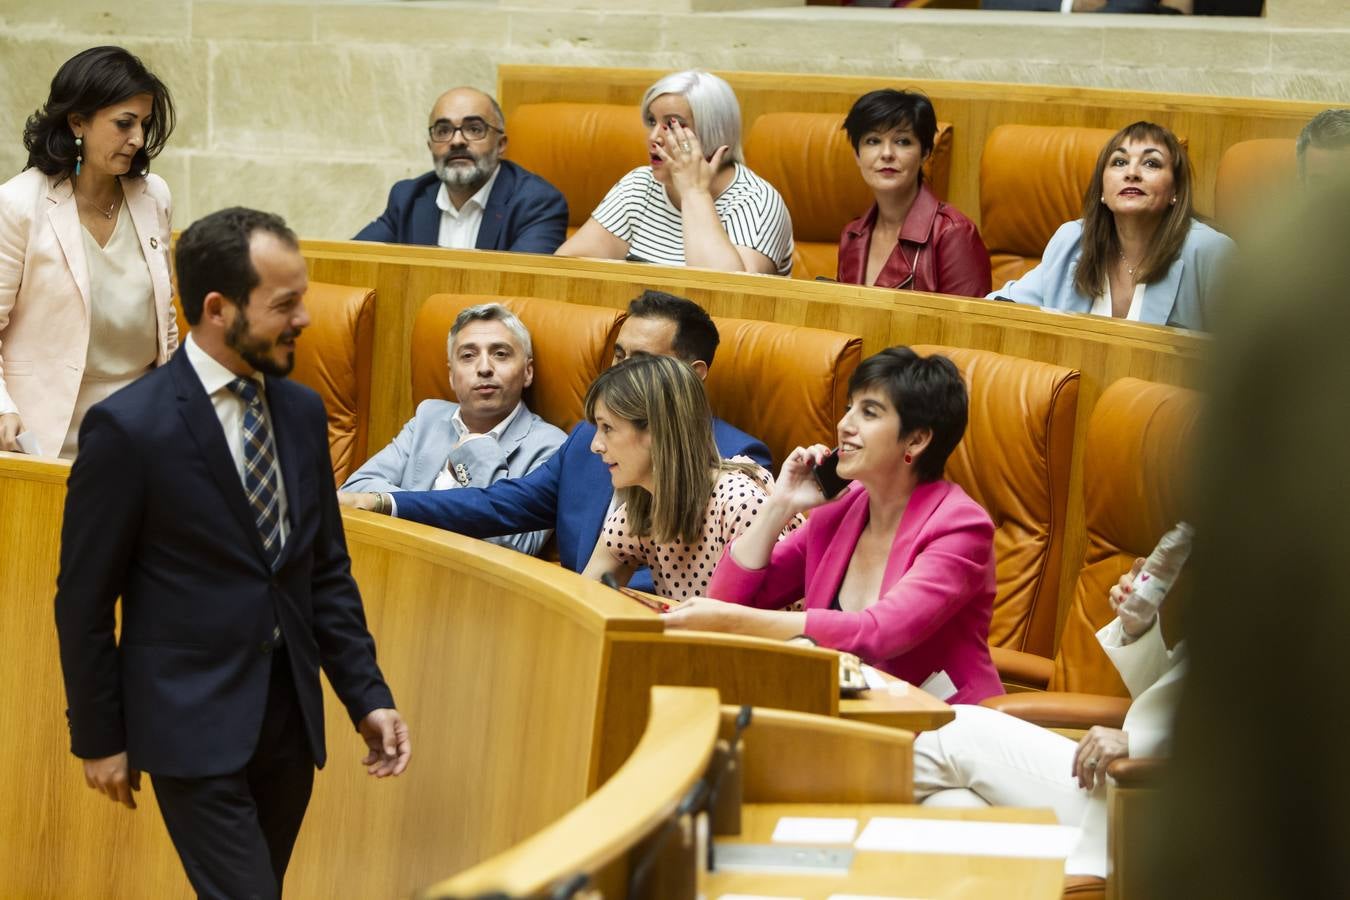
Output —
(464, 177)
(254, 351)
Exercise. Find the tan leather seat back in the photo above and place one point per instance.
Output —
(333, 357)
(572, 345)
(1134, 473)
(1032, 180)
(1252, 176)
(785, 385)
(808, 158)
(582, 149)
(1014, 461)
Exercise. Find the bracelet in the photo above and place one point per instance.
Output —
(382, 503)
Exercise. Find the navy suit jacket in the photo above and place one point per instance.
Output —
(570, 494)
(155, 511)
(524, 213)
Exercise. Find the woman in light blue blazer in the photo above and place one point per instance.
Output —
(1138, 253)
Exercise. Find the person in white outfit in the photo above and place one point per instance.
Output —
(986, 757)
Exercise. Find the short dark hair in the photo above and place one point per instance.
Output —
(927, 392)
(85, 83)
(883, 110)
(696, 336)
(213, 255)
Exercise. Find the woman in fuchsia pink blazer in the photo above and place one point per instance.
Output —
(899, 568)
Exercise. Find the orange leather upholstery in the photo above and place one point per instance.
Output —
(1133, 489)
(333, 357)
(808, 158)
(582, 149)
(1014, 461)
(1252, 176)
(785, 385)
(1032, 180)
(572, 345)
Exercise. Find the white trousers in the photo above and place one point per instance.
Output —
(985, 756)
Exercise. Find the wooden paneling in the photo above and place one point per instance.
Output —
(676, 745)
(1102, 349)
(792, 757)
(743, 669)
(493, 657)
(1209, 124)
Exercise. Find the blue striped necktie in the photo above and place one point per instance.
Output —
(260, 467)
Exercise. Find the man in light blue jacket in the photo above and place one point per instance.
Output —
(490, 434)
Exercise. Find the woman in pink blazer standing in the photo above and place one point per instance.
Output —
(899, 568)
(85, 296)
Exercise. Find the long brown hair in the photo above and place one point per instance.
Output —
(663, 396)
(1101, 244)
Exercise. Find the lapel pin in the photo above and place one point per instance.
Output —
(154, 243)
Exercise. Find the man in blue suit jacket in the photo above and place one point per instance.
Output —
(203, 497)
(571, 493)
(472, 198)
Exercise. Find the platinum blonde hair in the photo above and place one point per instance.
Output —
(491, 312)
(717, 112)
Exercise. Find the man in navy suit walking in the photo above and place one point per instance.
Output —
(472, 198)
(203, 497)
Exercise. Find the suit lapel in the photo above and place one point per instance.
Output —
(515, 433)
(289, 447)
(204, 426)
(145, 216)
(426, 215)
(918, 511)
(1161, 296)
(495, 211)
(65, 218)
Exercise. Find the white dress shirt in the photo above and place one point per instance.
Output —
(229, 407)
(459, 227)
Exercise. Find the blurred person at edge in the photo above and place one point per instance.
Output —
(1253, 804)
(85, 293)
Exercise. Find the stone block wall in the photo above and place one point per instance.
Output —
(313, 109)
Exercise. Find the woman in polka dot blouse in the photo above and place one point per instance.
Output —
(678, 502)
(899, 569)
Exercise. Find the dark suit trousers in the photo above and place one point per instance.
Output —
(234, 833)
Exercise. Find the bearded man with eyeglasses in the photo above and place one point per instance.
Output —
(472, 197)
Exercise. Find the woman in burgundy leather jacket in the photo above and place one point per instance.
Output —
(923, 244)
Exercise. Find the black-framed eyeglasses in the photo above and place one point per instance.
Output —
(473, 128)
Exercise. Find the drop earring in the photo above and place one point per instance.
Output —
(79, 153)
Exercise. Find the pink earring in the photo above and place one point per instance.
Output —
(908, 459)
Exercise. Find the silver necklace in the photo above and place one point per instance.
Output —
(108, 214)
(1128, 268)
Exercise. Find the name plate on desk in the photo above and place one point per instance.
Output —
(784, 860)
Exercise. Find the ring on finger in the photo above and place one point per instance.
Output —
(685, 146)
(1092, 763)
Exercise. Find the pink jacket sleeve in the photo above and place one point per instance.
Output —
(776, 585)
(948, 571)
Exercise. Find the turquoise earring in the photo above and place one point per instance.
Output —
(79, 153)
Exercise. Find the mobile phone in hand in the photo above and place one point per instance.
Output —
(652, 603)
(827, 476)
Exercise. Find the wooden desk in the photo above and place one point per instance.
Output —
(910, 709)
(897, 874)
